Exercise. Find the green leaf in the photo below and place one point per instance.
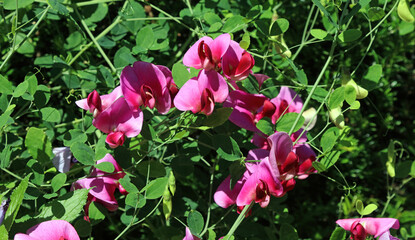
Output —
(318, 33)
(359, 207)
(265, 125)
(58, 6)
(412, 173)
(319, 166)
(100, 149)
(329, 138)
(16, 200)
(218, 117)
(135, 200)
(14, 4)
(145, 38)
(391, 151)
(288, 232)
(83, 153)
(6, 87)
(349, 94)
(330, 159)
(38, 145)
(106, 167)
(300, 74)
(20, 89)
(336, 98)
(403, 169)
(32, 83)
(67, 207)
(58, 181)
(246, 40)
(375, 13)
(234, 24)
(127, 185)
(3, 232)
(236, 170)
(50, 114)
(154, 169)
(226, 147)
(211, 18)
(123, 58)
(287, 120)
(338, 234)
(180, 74)
(324, 10)
(42, 96)
(212, 234)
(155, 188)
(369, 209)
(350, 35)
(73, 136)
(279, 27)
(195, 222)
(4, 117)
(96, 212)
(83, 228)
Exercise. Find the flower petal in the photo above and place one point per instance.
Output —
(213, 81)
(281, 145)
(219, 46)
(51, 230)
(191, 57)
(189, 97)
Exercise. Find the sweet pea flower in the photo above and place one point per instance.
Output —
(3, 209)
(102, 185)
(189, 235)
(119, 121)
(286, 101)
(257, 184)
(377, 227)
(200, 94)
(248, 109)
(207, 53)
(237, 62)
(146, 84)
(63, 159)
(51, 230)
(95, 103)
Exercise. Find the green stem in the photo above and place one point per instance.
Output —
(320, 76)
(238, 221)
(14, 48)
(95, 42)
(212, 169)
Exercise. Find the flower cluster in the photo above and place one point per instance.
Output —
(362, 227)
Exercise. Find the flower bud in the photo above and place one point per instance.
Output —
(337, 117)
(404, 12)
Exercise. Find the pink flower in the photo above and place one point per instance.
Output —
(361, 227)
(119, 121)
(146, 84)
(102, 185)
(200, 94)
(237, 62)
(189, 235)
(207, 53)
(257, 184)
(248, 109)
(95, 103)
(51, 230)
(286, 101)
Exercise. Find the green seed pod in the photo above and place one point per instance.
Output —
(404, 11)
(172, 183)
(360, 92)
(167, 204)
(337, 117)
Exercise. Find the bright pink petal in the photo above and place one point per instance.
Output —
(191, 57)
(103, 189)
(346, 224)
(115, 139)
(51, 230)
(224, 195)
(243, 118)
(108, 99)
(213, 81)
(219, 46)
(260, 78)
(131, 88)
(280, 146)
(118, 171)
(189, 235)
(189, 97)
(378, 226)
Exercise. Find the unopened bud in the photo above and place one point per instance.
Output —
(404, 11)
(337, 117)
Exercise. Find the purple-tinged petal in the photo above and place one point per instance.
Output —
(243, 118)
(51, 230)
(115, 139)
(62, 159)
(3, 209)
(118, 171)
(102, 190)
(191, 57)
(280, 146)
(378, 226)
(213, 81)
(189, 97)
(131, 88)
(260, 78)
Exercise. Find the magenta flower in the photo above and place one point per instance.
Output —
(248, 109)
(361, 227)
(95, 103)
(146, 84)
(51, 230)
(207, 53)
(257, 184)
(200, 94)
(286, 101)
(102, 185)
(237, 62)
(189, 235)
(119, 121)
